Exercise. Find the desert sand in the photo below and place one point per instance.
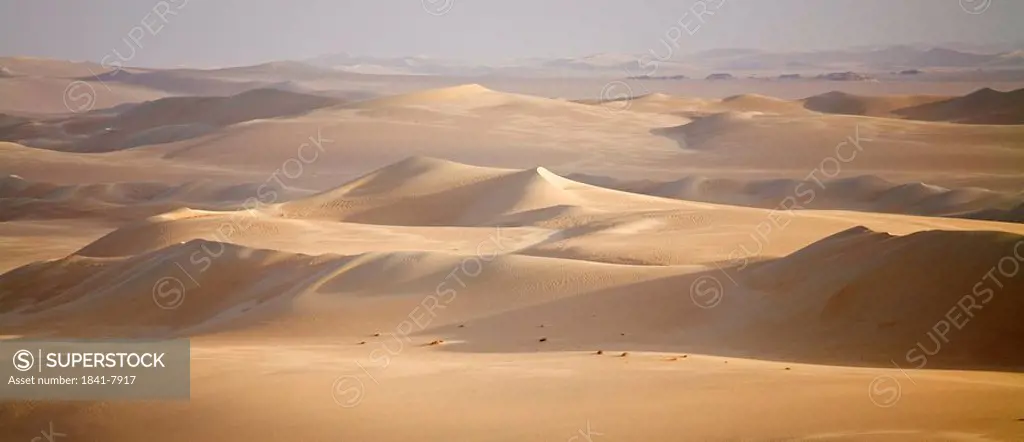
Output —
(441, 261)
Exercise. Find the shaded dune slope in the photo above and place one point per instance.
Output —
(858, 297)
(984, 106)
(217, 286)
(160, 121)
(837, 102)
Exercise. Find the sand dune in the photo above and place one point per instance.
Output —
(414, 176)
(11, 120)
(24, 199)
(70, 168)
(704, 129)
(220, 111)
(508, 130)
(46, 67)
(985, 106)
(759, 103)
(850, 145)
(868, 193)
(898, 287)
(279, 70)
(483, 102)
(57, 95)
(861, 306)
(289, 76)
(697, 107)
(469, 95)
(874, 295)
(445, 193)
(113, 286)
(161, 121)
(836, 102)
(655, 102)
(183, 225)
(468, 124)
(183, 82)
(1011, 215)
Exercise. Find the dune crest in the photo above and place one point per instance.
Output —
(447, 193)
(862, 192)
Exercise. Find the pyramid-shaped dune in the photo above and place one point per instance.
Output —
(421, 191)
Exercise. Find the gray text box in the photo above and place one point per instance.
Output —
(95, 370)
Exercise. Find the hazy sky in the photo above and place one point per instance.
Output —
(226, 32)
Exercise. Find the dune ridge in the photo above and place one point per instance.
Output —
(984, 106)
(869, 193)
(160, 121)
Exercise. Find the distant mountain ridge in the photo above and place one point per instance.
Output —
(888, 58)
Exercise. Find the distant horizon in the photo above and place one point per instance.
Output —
(956, 46)
(174, 33)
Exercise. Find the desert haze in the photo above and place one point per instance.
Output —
(745, 245)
